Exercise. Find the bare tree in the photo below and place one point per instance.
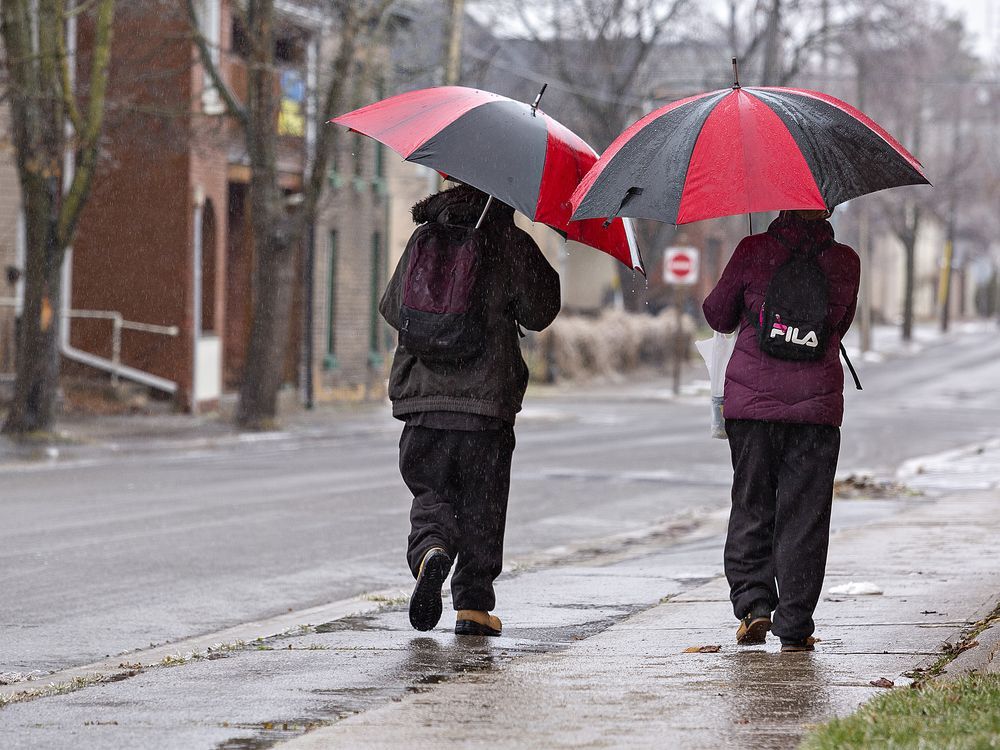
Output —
(277, 229)
(49, 115)
(778, 41)
(916, 90)
(601, 60)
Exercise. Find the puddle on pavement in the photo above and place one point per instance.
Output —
(269, 734)
(427, 662)
(354, 623)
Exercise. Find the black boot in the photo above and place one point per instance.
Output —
(425, 603)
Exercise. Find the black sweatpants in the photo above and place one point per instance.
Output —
(460, 481)
(779, 525)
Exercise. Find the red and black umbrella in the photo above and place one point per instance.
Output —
(743, 150)
(506, 148)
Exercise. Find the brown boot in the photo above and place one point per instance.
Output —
(477, 622)
(807, 644)
(753, 628)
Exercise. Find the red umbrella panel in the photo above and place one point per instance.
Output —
(743, 150)
(506, 148)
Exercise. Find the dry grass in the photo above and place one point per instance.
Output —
(616, 342)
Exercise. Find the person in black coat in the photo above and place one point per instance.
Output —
(456, 447)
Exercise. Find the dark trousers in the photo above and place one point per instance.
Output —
(460, 481)
(779, 526)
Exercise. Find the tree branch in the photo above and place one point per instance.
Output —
(66, 88)
(90, 133)
(233, 106)
(326, 137)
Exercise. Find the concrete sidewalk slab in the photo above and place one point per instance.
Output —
(633, 685)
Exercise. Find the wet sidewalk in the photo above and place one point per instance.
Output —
(593, 653)
(634, 685)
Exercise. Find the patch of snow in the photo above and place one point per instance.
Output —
(856, 588)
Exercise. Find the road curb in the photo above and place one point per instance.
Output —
(178, 652)
(981, 658)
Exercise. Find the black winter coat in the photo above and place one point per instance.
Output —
(520, 287)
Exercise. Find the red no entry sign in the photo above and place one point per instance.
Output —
(680, 265)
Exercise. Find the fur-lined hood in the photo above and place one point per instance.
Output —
(461, 205)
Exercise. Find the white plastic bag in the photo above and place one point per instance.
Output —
(716, 352)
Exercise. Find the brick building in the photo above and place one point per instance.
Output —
(165, 241)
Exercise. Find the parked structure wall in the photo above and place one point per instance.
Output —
(353, 263)
(11, 246)
(131, 253)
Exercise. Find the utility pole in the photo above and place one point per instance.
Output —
(451, 63)
(944, 290)
(865, 248)
(452, 67)
(864, 215)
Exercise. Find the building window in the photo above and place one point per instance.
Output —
(379, 148)
(359, 156)
(208, 275)
(330, 360)
(289, 50)
(241, 38)
(376, 288)
(379, 160)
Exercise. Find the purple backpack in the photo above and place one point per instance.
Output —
(442, 311)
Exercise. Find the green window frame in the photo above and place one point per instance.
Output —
(330, 360)
(375, 288)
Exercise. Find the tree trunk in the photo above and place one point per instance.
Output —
(274, 276)
(37, 379)
(42, 104)
(771, 73)
(37, 132)
(275, 235)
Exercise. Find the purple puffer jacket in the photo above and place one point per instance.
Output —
(762, 387)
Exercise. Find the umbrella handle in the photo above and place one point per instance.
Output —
(534, 104)
(485, 209)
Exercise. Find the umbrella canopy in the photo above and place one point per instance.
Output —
(743, 150)
(506, 148)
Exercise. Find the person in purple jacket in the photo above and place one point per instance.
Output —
(783, 420)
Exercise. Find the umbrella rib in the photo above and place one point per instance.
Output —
(743, 148)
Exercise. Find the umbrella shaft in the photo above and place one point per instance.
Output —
(485, 209)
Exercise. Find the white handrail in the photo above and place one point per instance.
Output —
(115, 366)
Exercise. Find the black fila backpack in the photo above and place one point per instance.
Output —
(791, 323)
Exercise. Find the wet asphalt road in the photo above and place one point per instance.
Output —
(110, 553)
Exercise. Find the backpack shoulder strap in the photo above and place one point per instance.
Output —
(850, 366)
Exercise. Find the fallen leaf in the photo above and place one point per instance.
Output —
(702, 649)
(882, 682)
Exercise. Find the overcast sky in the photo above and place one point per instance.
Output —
(982, 19)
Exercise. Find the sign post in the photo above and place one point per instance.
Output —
(680, 270)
